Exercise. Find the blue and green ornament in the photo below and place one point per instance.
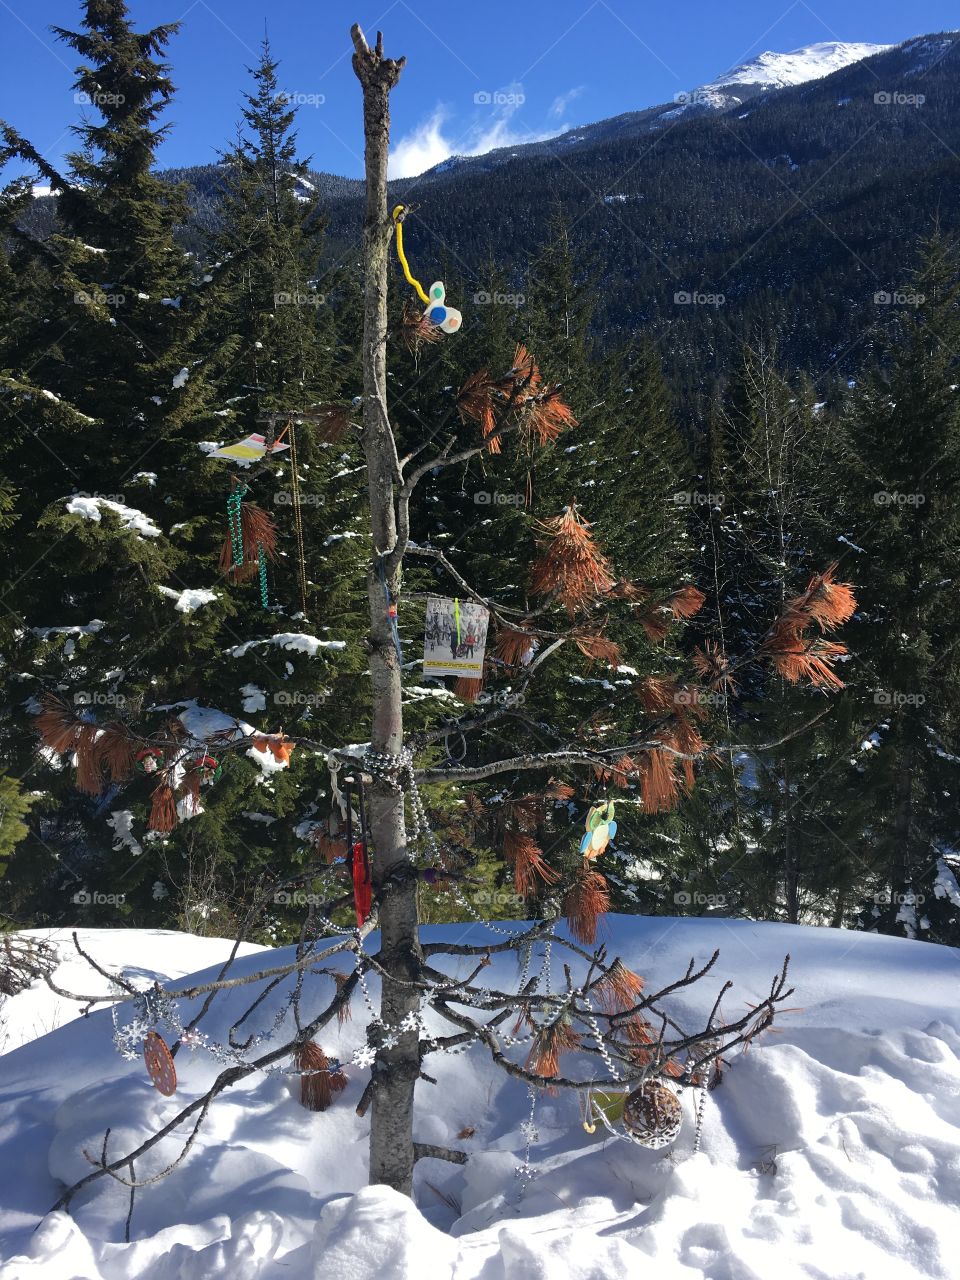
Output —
(600, 829)
(446, 318)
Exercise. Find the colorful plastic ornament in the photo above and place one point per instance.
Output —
(444, 317)
(447, 319)
(601, 828)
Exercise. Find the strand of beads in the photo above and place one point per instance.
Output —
(155, 1007)
(395, 771)
(234, 522)
(262, 573)
(598, 1037)
(706, 1059)
(524, 1172)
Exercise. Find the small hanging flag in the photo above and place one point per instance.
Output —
(455, 638)
(249, 449)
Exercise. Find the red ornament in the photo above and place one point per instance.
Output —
(159, 1063)
(362, 885)
(209, 769)
(149, 760)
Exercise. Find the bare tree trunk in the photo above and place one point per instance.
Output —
(791, 875)
(396, 1069)
(900, 859)
(839, 909)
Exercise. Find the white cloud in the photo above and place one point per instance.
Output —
(560, 103)
(422, 149)
(431, 142)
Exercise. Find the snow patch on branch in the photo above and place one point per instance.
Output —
(91, 629)
(945, 885)
(254, 698)
(122, 822)
(190, 599)
(136, 521)
(297, 641)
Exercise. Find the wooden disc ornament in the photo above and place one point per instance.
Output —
(159, 1064)
(652, 1114)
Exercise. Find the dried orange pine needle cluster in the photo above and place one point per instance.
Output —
(570, 568)
(518, 399)
(796, 655)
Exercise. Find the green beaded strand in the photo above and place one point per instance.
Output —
(235, 522)
(262, 558)
(236, 527)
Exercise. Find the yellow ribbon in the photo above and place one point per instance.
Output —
(398, 216)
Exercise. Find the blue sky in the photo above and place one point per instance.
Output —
(478, 75)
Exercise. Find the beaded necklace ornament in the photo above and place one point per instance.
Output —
(252, 536)
(707, 1059)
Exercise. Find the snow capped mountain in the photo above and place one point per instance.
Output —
(766, 73)
(812, 62)
(773, 71)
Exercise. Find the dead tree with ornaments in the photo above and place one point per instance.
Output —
(598, 1032)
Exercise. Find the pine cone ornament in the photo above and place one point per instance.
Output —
(652, 1114)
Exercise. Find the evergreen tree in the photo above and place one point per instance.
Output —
(127, 612)
(90, 359)
(271, 307)
(905, 433)
(771, 836)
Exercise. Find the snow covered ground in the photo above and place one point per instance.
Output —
(831, 1150)
(154, 954)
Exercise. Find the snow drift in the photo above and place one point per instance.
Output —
(830, 1149)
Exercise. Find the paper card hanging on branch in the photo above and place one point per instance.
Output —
(249, 449)
(455, 638)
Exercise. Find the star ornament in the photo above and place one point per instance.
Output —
(600, 830)
(448, 319)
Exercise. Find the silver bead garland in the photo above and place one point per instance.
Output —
(154, 1007)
